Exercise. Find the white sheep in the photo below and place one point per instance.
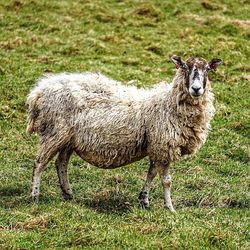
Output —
(110, 125)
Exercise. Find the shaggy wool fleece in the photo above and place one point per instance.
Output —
(109, 124)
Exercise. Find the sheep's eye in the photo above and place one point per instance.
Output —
(188, 72)
(207, 68)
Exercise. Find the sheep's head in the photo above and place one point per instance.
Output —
(195, 71)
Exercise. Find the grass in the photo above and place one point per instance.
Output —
(127, 40)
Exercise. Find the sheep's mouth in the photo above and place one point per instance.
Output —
(196, 96)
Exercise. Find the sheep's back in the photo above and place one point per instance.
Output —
(101, 116)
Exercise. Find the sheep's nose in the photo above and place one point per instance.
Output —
(196, 89)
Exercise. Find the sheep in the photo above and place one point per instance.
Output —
(110, 125)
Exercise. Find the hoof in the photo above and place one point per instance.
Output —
(143, 200)
(67, 197)
(172, 210)
(33, 198)
(145, 206)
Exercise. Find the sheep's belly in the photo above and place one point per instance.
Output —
(111, 160)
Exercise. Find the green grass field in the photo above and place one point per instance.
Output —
(126, 40)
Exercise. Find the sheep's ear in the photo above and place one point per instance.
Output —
(178, 62)
(214, 63)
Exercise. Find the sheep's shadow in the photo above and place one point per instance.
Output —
(12, 196)
(11, 191)
(109, 202)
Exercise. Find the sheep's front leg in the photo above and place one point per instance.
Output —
(143, 197)
(163, 172)
(61, 167)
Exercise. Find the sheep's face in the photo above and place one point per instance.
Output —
(196, 73)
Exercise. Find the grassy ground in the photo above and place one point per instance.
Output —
(127, 40)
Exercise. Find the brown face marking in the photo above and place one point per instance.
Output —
(197, 65)
(200, 63)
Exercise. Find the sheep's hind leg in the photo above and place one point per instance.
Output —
(44, 155)
(163, 172)
(144, 194)
(61, 167)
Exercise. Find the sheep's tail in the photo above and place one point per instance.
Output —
(33, 110)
